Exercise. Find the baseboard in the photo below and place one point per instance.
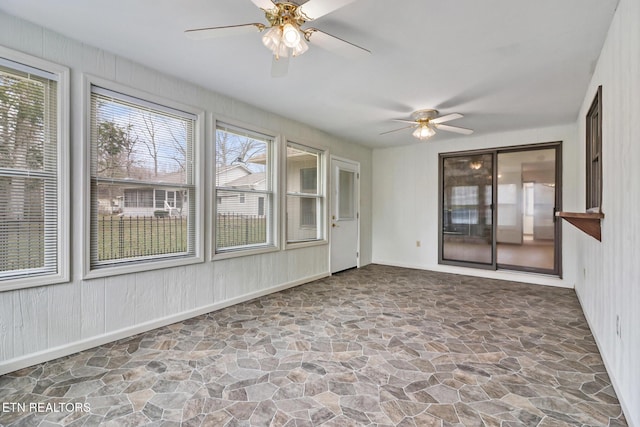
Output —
(607, 366)
(513, 276)
(21, 362)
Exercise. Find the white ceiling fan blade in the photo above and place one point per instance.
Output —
(314, 9)
(404, 121)
(454, 129)
(447, 118)
(396, 130)
(230, 30)
(335, 44)
(279, 67)
(264, 4)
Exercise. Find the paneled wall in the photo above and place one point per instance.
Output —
(40, 323)
(608, 282)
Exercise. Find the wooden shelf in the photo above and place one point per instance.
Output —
(589, 222)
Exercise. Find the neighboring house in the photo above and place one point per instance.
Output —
(242, 202)
(165, 198)
(147, 201)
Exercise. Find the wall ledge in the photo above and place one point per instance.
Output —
(588, 222)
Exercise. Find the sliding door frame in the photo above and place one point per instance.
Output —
(494, 265)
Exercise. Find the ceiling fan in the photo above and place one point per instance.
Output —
(283, 33)
(427, 121)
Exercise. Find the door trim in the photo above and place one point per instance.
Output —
(332, 205)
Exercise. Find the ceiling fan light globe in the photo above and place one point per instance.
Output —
(290, 35)
(271, 39)
(301, 48)
(423, 132)
(282, 51)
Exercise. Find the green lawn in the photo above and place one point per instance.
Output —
(130, 237)
(22, 243)
(236, 230)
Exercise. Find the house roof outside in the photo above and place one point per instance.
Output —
(292, 155)
(227, 168)
(252, 180)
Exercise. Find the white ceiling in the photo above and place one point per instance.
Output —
(503, 64)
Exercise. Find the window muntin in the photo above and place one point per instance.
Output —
(244, 190)
(305, 197)
(32, 181)
(594, 153)
(141, 153)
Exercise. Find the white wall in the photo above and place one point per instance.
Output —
(40, 323)
(405, 203)
(609, 272)
(606, 275)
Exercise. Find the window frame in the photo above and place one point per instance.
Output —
(135, 266)
(495, 152)
(272, 176)
(321, 196)
(593, 141)
(63, 206)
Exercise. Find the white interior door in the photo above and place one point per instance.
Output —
(345, 216)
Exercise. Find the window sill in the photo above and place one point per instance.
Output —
(228, 254)
(141, 267)
(33, 281)
(588, 222)
(305, 244)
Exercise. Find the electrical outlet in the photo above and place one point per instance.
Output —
(417, 243)
(618, 326)
(584, 273)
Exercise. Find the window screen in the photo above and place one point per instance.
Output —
(29, 181)
(244, 190)
(305, 199)
(141, 163)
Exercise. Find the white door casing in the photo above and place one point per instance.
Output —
(345, 214)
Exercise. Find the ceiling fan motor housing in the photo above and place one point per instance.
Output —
(423, 116)
(285, 13)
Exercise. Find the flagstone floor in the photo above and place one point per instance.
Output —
(379, 346)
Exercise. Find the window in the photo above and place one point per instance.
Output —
(347, 184)
(142, 154)
(305, 197)
(244, 190)
(308, 184)
(33, 181)
(161, 198)
(260, 206)
(594, 153)
(308, 212)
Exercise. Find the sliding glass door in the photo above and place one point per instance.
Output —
(526, 225)
(467, 219)
(498, 209)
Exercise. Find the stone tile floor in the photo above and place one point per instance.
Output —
(379, 346)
